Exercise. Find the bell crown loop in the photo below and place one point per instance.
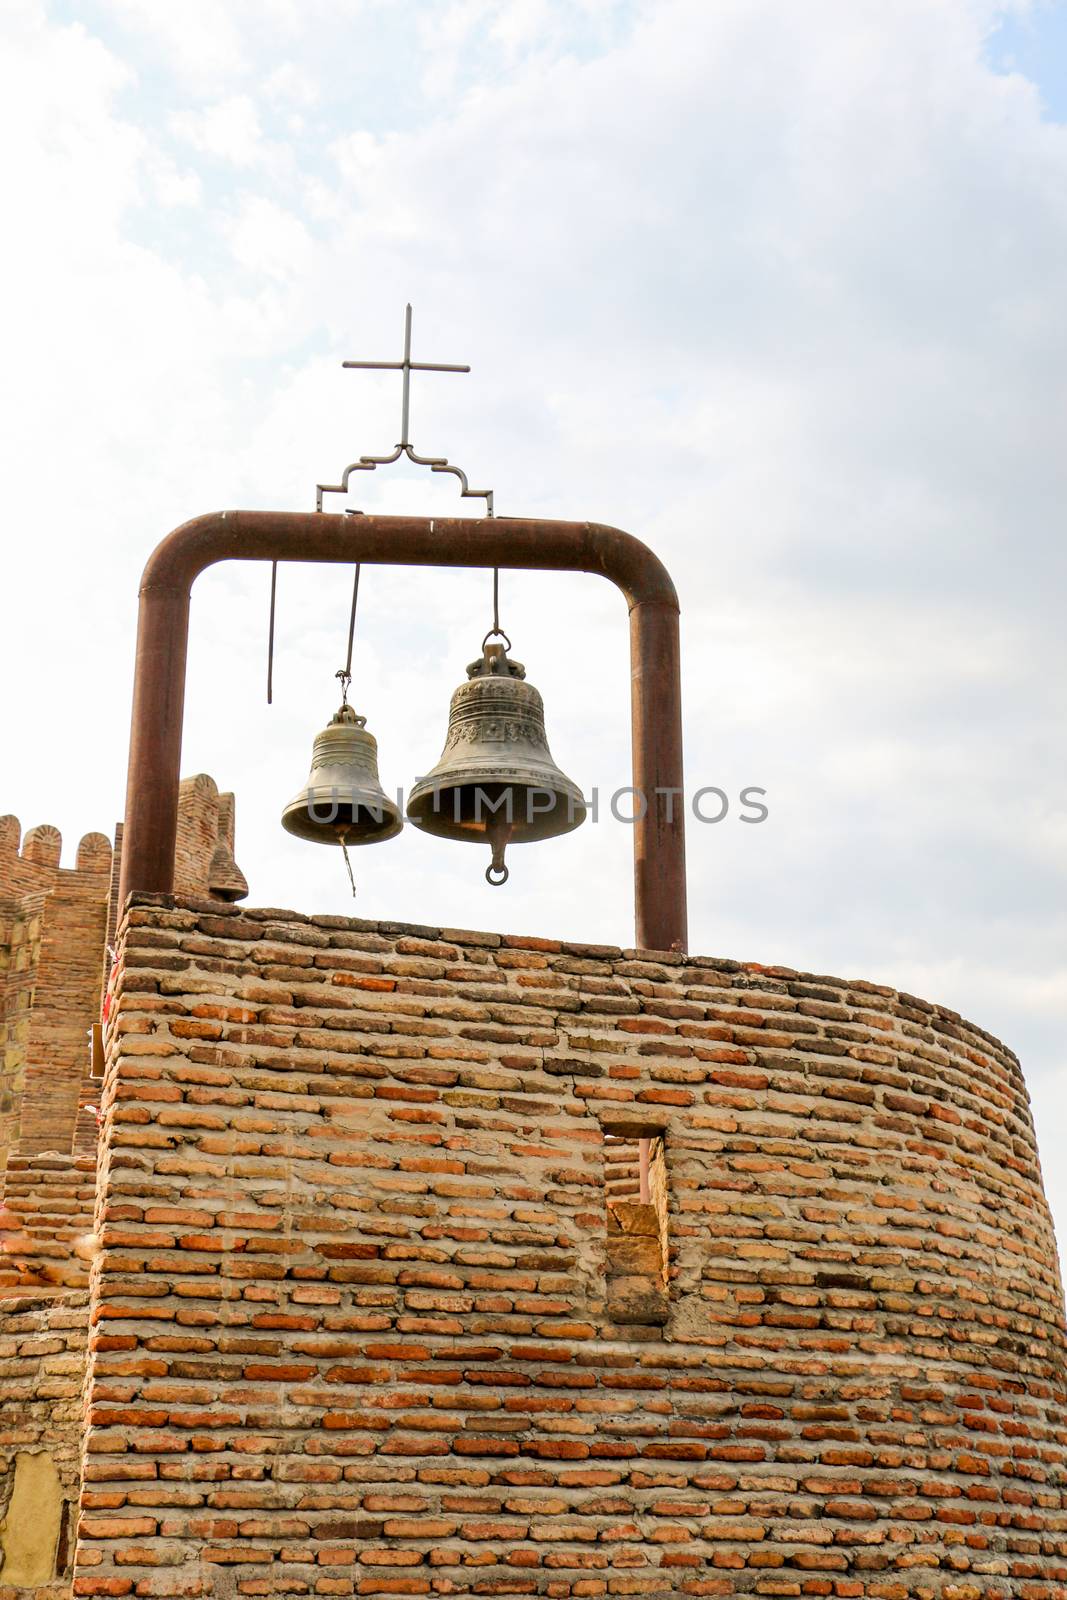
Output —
(348, 716)
(495, 662)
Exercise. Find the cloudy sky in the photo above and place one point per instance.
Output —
(777, 287)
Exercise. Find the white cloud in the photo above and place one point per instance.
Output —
(201, 40)
(228, 129)
(171, 185)
(289, 85)
(267, 239)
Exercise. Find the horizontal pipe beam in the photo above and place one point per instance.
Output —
(162, 647)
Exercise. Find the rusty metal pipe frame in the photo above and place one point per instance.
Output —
(656, 714)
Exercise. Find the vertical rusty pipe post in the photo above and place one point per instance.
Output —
(656, 720)
(154, 773)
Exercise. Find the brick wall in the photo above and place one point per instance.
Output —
(20, 943)
(52, 923)
(55, 927)
(353, 1331)
(66, 999)
(42, 1367)
(48, 1207)
(55, 924)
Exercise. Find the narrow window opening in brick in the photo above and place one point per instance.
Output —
(635, 1206)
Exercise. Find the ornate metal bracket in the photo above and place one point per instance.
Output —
(435, 464)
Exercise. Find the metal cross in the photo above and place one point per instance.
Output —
(407, 367)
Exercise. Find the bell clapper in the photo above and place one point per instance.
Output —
(498, 831)
(342, 835)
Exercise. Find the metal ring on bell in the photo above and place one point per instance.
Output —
(497, 633)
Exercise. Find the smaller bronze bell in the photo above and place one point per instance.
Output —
(343, 801)
(496, 781)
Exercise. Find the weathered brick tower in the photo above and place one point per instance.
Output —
(374, 1316)
(378, 1305)
(57, 932)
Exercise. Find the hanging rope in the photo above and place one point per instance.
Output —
(270, 631)
(345, 672)
(496, 631)
(352, 622)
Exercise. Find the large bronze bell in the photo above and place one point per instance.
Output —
(343, 802)
(496, 781)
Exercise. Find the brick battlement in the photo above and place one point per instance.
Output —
(52, 926)
(55, 926)
(369, 1318)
